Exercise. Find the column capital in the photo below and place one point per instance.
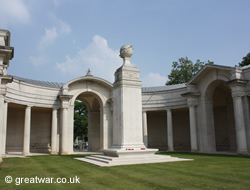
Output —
(65, 100)
(237, 82)
(237, 95)
(192, 98)
(238, 87)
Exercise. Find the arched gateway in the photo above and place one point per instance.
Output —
(210, 113)
(96, 93)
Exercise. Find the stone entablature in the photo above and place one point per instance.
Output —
(27, 94)
(159, 100)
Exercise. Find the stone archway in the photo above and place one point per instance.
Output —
(97, 94)
(217, 106)
(225, 136)
(95, 125)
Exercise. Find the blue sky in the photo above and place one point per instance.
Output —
(58, 40)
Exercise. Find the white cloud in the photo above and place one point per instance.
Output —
(39, 60)
(50, 36)
(64, 28)
(98, 56)
(13, 12)
(154, 79)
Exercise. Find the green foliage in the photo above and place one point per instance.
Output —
(80, 119)
(183, 70)
(245, 61)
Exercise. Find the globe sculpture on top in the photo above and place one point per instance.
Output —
(126, 52)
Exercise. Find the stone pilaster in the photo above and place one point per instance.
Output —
(65, 125)
(192, 102)
(238, 92)
(240, 126)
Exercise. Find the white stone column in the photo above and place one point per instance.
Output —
(1, 123)
(26, 137)
(54, 132)
(4, 129)
(64, 131)
(240, 125)
(170, 130)
(145, 128)
(193, 135)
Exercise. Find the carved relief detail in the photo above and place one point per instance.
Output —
(131, 75)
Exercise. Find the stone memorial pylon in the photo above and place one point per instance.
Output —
(128, 147)
(127, 110)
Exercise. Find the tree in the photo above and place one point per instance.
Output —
(245, 61)
(184, 70)
(80, 119)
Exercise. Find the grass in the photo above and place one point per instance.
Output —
(205, 172)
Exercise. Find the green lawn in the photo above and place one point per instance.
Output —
(205, 172)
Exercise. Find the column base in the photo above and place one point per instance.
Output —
(26, 154)
(3, 156)
(54, 153)
(242, 152)
(194, 151)
(1, 159)
(64, 153)
(170, 150)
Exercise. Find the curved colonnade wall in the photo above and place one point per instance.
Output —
(210, 113)
(197, 116)
(47, 103)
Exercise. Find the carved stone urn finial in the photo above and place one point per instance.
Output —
(126, 52)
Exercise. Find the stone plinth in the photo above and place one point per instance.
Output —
(121, 153)
(107, 161)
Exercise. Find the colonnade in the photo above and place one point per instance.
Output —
(170, 134)
(27, 129)
(240, 126)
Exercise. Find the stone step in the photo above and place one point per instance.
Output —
(98, 159)
(94, 162)
(128, 159)
(106, 161)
